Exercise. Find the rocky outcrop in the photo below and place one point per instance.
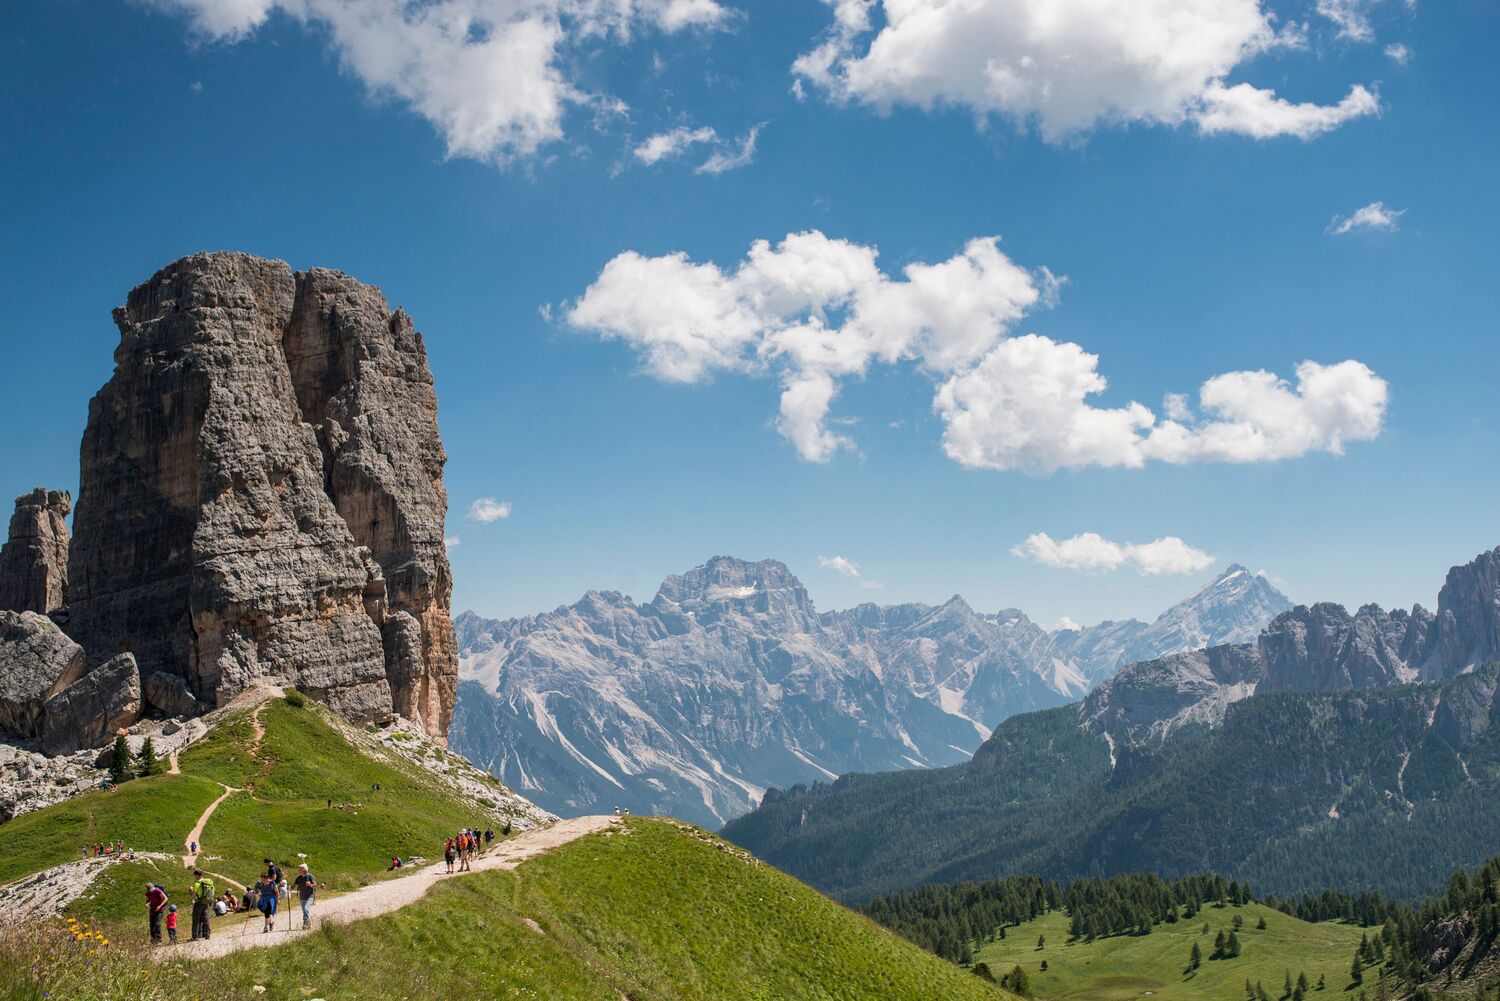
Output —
(361, 378)
(34, 559)
(36, 661)
(1466, 630)
(227, 536)
(1324, 648)
(168, 694)
(88, 712)
(1153, 699)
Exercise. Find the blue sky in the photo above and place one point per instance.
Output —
(485, 176)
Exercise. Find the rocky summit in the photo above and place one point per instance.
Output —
(729, 681)
(260, 502)
(1319, 648)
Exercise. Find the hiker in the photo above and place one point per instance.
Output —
(220, 907)
(395, 864)
(273, 871)
(203, 897)
(306, 888)
(267, 903)
(489, 835)
(193, 848)
(172, 923)
(156, 906)
(449, 854)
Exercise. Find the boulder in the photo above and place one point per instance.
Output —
(88, 712)
(36, 661)
(169, 694)
(34, 559)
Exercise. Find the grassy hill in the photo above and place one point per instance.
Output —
(1133, 966)
(653, 910)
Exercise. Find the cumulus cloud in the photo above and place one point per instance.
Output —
(1374, 216)
(1092, 553)
(1068, 66)
(491, 76)
(486, 510)
(847, 568)
(812, 311)
(1398, 53)
(450, 542)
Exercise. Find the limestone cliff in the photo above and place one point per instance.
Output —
(227, 536)
(34, 559)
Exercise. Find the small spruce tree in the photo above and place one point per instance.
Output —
(121, 761)
(1041, 941)
(1357, 971)
(1195, 958)
(149, 763)
(1232, 946)
(1261, 924)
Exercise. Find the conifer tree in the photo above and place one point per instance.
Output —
(149, 763)
(121, 761)
(1232, 947)
(1357, 971)
(1195, 958)
(1261, 924)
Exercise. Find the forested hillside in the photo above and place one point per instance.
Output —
(1206, 936)
(1388, 789)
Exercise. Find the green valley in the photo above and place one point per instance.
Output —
(1155, 965)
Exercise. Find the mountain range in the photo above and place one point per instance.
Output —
(1360, 751)
(729, 681)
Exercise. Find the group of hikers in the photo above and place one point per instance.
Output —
(102, 849)
(267, 893)
(463, 846)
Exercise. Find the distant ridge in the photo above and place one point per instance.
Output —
(729, 681)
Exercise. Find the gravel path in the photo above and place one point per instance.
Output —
(239, 932)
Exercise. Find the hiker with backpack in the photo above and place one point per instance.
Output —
(156, 907)
(203, 901)
(267, 903)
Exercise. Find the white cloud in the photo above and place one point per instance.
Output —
(486, 510)
(1258, 113)
(1373, 216)
(1066, 624)
(1092, 553)
(1025, 407)
(726, 154)
(812, 311)
(737, 155)
(667, 145)
(1398, 53)
(491, 76)
(1068, 66)
(1351, 17)
(450, 542)
(847, 568)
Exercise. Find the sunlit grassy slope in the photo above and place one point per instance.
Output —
(1130, 966)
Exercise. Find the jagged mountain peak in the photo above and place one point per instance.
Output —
(730, 579)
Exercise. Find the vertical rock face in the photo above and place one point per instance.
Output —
(34, 559)
(211, 538)
(361, 378)
(1466, 632)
